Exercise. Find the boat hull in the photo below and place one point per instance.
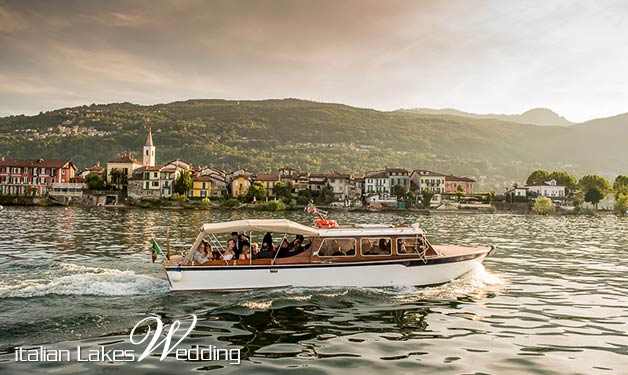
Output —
(414, 272)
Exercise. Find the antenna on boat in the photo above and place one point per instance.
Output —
(322, 221)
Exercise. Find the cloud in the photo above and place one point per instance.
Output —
(483, 56)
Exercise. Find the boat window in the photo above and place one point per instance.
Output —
(333, 247)
(411, 246)
(376, 246)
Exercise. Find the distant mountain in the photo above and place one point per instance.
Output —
(318, 137)
(536, 116)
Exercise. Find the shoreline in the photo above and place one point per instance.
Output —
(174, 205)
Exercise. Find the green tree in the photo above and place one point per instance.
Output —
(118, 177)
(460, 192)
(426, 196)
(539, 174)
(620, 187)
(565, 179)
(593, 196)
(621, 204)
(283, 190)
(543, 206)
(588, 182)
(94, 182)
(399, 191)
(256, 191)
(183, 183)
(325, 195)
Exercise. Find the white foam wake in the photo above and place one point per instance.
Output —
(96, 281)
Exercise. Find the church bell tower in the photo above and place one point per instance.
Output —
(148, 156)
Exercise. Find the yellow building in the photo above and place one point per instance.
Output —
(201, 187)
(240, 186)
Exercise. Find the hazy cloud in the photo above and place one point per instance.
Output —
(482, 56)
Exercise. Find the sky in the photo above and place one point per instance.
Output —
(477, 56)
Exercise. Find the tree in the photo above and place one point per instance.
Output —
(183, 183)
(593, 196)
(565, 179)
(539, 174)
(399, 191)
(426, 196)
(620, 187)
(621, 204)
(94, 182)
(256, 191)
(588, 182)
(283, 190)
(118, 177)
(543, 206)
(460, 192)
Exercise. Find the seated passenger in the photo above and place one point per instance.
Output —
(268, 238)
(246, 253)
(229, 254)
(264, 252)
(200, 256)
(284, 249)
(401, 247)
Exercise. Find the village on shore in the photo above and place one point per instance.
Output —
(127, 181)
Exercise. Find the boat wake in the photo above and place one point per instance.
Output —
(476, 284)
(94, 281)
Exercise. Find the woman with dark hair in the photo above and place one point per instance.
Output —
(268, 238)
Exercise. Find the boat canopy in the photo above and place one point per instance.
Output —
(261, 225)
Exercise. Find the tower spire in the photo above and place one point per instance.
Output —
(149, 140)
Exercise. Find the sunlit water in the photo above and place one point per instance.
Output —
(553, 300)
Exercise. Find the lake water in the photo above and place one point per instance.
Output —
(553, 299)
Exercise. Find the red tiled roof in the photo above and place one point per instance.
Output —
(125, 159)
(35, 163)
(425, 172)
(267, 177)
(398, 170)
(456, 178)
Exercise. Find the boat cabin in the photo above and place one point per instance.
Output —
(306, 245)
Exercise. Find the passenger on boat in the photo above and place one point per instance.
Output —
(264, 252)
(229, 254)
(284, 249)
(254, 249)
(384, 246)
(201, 255)
(401, 247)
(237, 243)
(268, 238)
(246, 253)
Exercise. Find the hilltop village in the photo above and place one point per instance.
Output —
(126, 180)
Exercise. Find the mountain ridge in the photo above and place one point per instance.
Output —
(535, 116)
(317, 137)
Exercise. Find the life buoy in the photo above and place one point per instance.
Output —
(325, 223)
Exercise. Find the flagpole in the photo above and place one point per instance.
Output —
(168, 242)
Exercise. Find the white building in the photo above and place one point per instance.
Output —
(377, 183)
(547, 189)
(432, 181)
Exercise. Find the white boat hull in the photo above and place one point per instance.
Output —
(415, 273)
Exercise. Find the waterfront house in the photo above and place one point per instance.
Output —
(432, 181)
(268, 180)
(398, 177)
(547, 189)
(341, 186)
(316, 181)
(120, 169)
(33, 176)
(217, 178)
(377, 183)
(452, 184)
(239, 186)
(516, 194)
(201, 186)
(145, 183)
(95, 169)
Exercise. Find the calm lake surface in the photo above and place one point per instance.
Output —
(553, 299)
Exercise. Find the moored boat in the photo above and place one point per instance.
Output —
(361, 255)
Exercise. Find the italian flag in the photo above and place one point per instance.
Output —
(155, 249)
